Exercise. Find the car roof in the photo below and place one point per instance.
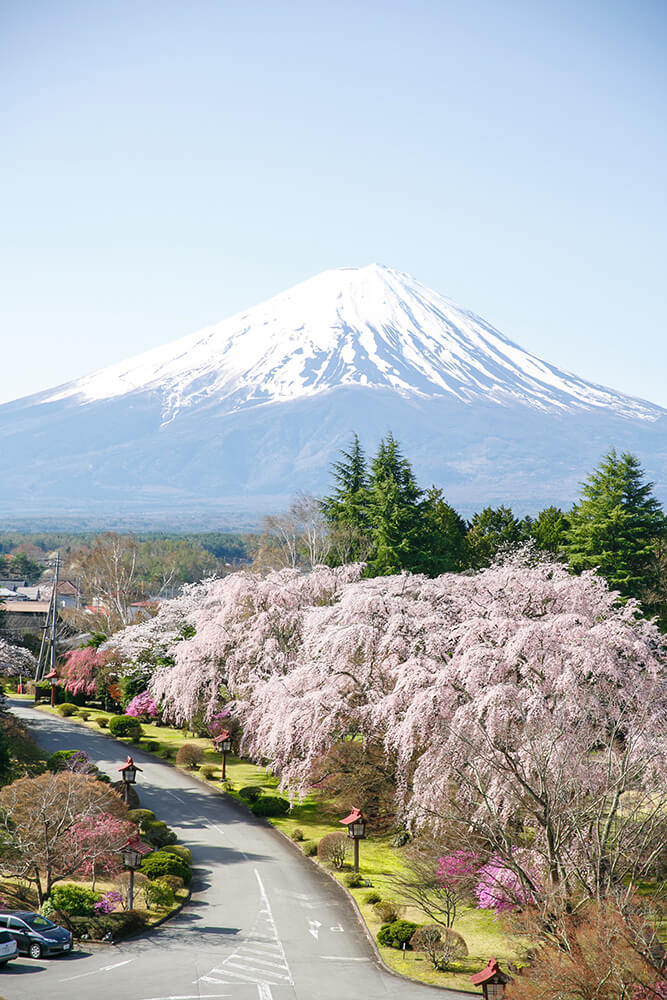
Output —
(19, 913)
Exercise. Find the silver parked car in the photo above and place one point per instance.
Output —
(8, 947)
(34, 934)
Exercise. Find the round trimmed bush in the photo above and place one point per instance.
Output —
(270, 805)
(310, 848)
(332, 849)
(140, 816)
(209, 771)
(74, 899)
(372, 897)
(397, 934)
(158, 893)
(250, 793)
(162, 863)
(125, 725)
(386, 911)
(152, 746)
(180, 851)
(297, 835)
(189, 755)
(158, 833)
(102, 721)
(67, 708)
(84, 713)
(59, 761)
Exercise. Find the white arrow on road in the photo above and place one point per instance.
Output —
(314, 928)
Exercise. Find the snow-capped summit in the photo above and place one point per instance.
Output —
(232, 421)
(370, 326)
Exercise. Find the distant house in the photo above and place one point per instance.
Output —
(68, 595)
(142, 609)
(24, 616)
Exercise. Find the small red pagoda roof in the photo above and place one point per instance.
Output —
(129, 763)
(224, 734)
(354, 816)
(492, 971)
(138, 845)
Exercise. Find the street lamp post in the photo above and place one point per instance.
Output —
(132, 853)
(52, 678)
(129, 774)
(492, 981)
(356, 830)
(223, 743)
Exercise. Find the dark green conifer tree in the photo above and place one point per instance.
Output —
(490, 530)
(617, 525)
(444, 536)
(394, 512)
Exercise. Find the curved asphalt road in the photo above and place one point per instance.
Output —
(263, 922)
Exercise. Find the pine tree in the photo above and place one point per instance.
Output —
(616, 525)
(444, 542)
(490, 530)
(394, 511)
(345, 509)
(548, 530)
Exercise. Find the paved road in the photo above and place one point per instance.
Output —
(263, 922)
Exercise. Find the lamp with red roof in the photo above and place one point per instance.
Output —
(356, 829)
(492, 980)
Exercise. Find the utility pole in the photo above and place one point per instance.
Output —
(49, 627)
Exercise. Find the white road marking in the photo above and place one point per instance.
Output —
(338, 928)
(314, 928)
(105, 968)
(264, 992)
(194, 996)
(343, 958)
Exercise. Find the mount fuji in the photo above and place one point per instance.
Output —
(231, 421)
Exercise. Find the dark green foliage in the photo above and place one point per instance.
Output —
(60, 760)
(67, 708)
(158, 893)
(548, 530)
(310, 848)
(617, 525)
(182, 852)
(74, 899)
(151, 746)
(125, 725)
(397, 934)
(493, 529)
(443, 546)
(250, 793)
(270, 805)
(102, 721)
(163, 863)
(6, 769)
(157, 833)
(118, 925)
(394, 512)
(140, 816)
(297, 835)
(345, 508)
(372, 897)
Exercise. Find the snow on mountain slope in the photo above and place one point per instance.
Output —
(370, 326)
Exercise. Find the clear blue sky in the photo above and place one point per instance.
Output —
(168, 163)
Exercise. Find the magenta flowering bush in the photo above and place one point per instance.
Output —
(142, 706)
(109, 902)
(501, 889)
(458, 868)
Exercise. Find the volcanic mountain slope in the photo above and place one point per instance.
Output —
(243, 413)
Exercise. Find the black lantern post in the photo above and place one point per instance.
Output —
(132, 852)
(129, 774)
(356, 830)
(52, 678)
(223, 743)
(492, 981)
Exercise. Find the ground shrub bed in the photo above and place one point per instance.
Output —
(125, 726)
(270, 805)
(164, 863)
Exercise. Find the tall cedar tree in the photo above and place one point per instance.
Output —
(345, 509)
(395, 512)
(617, 525)
(492, 529)
(445, 549)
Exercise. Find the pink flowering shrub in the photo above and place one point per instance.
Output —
(499, 887)
(81, 669)
(142, 706)
(458, 868)
(109, 902)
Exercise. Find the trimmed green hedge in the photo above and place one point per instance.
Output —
(397, 934)
(163, 863)
(125, 725)
(270, 805)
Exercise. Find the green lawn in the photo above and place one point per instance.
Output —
(378, 861)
